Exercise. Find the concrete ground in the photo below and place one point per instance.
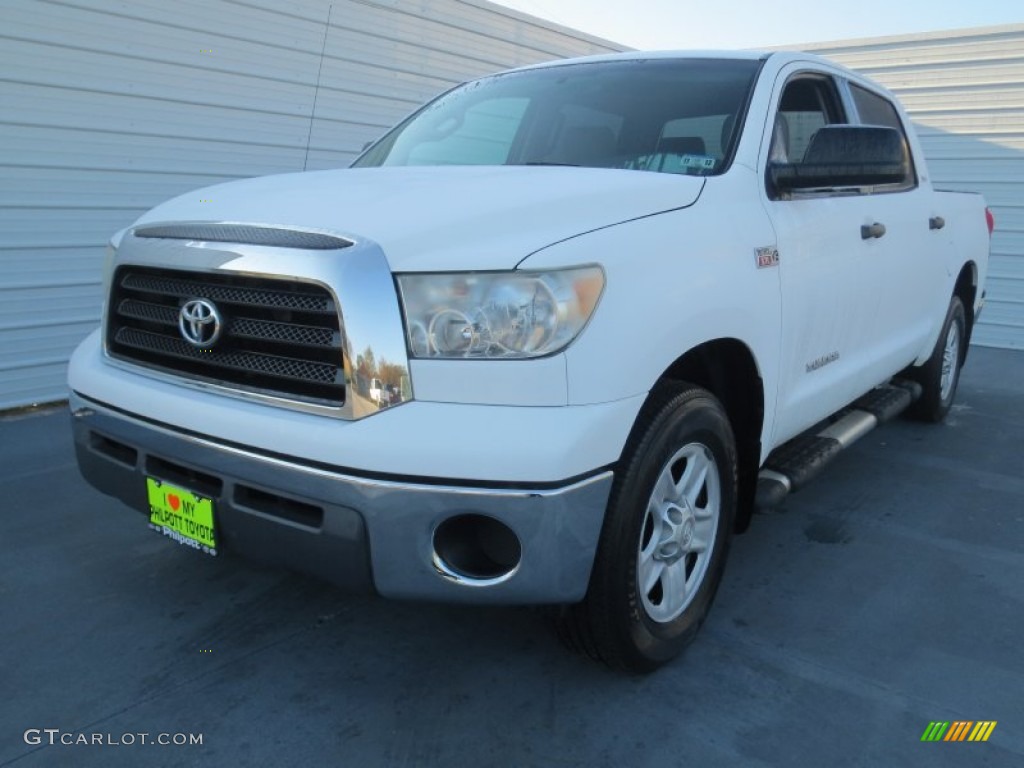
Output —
(886, 595)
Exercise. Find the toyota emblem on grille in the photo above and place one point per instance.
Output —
(200, 323)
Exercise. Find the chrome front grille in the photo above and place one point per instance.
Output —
(279, 337)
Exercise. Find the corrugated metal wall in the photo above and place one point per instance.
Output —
(111, 107)
(964, 90)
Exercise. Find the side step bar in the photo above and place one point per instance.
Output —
(794, 464)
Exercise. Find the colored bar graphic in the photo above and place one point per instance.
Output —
(982, 730)
(959, 730)
(935, 731)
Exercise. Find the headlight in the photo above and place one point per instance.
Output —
(497, 315)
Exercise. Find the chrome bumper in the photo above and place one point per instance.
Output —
(357, 532)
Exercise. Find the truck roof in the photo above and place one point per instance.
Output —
(781, 56)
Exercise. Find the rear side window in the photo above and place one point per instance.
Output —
(878, 110)
(875, 110)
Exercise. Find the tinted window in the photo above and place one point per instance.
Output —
(875, 110)
(483, 136)
(666, 115)
(807, 104)
(692, 142)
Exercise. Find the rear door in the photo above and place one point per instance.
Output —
(911, 271)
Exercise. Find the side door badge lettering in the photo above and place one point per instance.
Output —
(822, 361)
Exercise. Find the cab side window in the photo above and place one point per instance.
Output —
(874, 109)
(878, 110)
(806, 159)
(807, 104)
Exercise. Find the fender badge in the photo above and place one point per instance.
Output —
(767, 257)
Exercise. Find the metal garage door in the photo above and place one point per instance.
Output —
(965, 91)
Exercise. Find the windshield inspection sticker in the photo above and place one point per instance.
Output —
(697, 161)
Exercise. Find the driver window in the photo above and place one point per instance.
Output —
(807, 104)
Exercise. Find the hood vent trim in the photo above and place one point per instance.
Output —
(246, 234)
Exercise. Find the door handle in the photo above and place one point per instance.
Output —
(936, 222)
(868, 231)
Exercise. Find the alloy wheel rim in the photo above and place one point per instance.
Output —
(678, 532)
(950, 359)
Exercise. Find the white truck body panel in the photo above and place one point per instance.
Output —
(418, 439)
(441, 219)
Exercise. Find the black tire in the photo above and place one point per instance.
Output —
(938, 392)
(681, 426)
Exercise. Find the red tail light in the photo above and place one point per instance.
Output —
(990, 220)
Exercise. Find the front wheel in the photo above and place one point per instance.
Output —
(663, 546)
(940, 375)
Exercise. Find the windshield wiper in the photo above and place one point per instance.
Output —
(539, 162)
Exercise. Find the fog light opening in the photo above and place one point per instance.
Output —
(476, 549)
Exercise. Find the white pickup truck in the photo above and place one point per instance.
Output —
(611, 305)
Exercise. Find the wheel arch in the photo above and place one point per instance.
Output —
(966, 288)
(728, 369)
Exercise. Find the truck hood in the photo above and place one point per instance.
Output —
(438, 218)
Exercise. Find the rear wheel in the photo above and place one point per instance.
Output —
(940, 376)
(663, 547)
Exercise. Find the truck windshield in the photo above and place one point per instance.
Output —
(663, 115)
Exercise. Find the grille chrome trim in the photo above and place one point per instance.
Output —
(359, 283)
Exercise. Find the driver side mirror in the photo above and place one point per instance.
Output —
(846, 156)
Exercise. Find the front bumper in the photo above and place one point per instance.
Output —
(361, 533)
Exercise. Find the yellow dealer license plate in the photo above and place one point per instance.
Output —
(182, 515)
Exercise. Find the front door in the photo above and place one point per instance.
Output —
(828, 271)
